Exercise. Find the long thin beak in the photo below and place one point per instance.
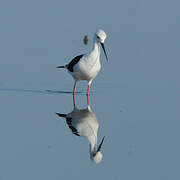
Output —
(99, 148)
(102, 44)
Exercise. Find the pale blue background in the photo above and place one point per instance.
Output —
(136, 97)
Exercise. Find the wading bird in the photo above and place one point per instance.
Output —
(83, 122)
(86, 66)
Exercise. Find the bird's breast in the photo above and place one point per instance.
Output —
(86, 70)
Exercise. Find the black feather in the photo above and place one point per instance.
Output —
(61, 115)
(60, 67)
(73, 62)
(73, 129)
(69, 123)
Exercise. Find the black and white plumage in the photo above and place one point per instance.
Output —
(87, 66)
(83, 122)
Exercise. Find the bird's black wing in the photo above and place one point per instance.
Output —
(73, 62)
(73, 129)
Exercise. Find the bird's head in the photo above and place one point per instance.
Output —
(100, 37)
(97, 156)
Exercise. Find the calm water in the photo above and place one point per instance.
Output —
(135, 98)
(141, 128)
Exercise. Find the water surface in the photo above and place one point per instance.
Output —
(135, 97)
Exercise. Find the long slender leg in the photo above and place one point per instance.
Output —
(87, 94)
(87, 100)
(74, 100)
(89, 84)
(74, 88)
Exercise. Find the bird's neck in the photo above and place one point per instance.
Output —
(96, 47)
(92, 142)
(94, 55)
(92, 149)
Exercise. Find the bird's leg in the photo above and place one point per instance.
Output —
(87, 94)
(89, 84)
(74, 100)
(74, 88)
(87, 100)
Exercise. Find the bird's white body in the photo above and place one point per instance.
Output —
(84, 120)
(84, 123)
(89, 66)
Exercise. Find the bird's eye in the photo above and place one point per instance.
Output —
(98, 37)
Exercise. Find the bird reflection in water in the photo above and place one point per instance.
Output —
(83, 123)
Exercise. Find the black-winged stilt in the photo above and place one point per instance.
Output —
(84, 123)
(86, 66)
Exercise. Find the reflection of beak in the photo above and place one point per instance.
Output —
(102, 44)
(99, 148)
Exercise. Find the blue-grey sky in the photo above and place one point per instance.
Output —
(135, 97)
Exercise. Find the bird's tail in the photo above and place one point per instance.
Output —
(60, 66)
(61, 115)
